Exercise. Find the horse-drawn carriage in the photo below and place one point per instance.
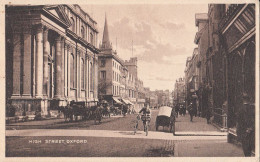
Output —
(78, 110)
(166, 118)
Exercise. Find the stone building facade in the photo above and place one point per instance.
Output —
(179, 93)
(111, 71)
(227, 65)
(237, 47)
(51, 56)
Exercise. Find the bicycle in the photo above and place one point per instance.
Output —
(146, 118)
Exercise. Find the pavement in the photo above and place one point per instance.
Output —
(120, 134)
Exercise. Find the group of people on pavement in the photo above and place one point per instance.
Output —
(180, 109)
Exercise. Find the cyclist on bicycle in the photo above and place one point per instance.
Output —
(146, 111)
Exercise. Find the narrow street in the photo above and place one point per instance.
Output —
(114, 137)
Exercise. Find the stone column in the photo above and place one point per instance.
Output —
(65, 70)
(16, 62)
(87, 71)
(62, 66)
(68, 76)
(86, 77)
(39, 61)
(58, 58)
(27, 62)
(45, 61)
(77, 73)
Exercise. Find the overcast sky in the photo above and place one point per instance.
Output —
(163, 37)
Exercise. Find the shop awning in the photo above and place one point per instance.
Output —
(130, 102)
(117, 100)
(127, 102)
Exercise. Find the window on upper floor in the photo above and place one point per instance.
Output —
(103, 75)
(72, 24)
(91, 38)
(103, 63)
(82, 32)
(82, 74)
(91, 77)
(72, 71)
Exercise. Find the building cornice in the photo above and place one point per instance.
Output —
(84, 19)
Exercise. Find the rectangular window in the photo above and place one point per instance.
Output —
(113, 76)
(103, 63)
(103, 75)
(82, 74)
(91, 78)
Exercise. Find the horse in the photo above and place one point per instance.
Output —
(106, 111)
(68, 113)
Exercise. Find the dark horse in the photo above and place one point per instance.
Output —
(68, 112)
(96, 113)
(106, 111)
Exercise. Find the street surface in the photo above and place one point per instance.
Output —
(114, 138)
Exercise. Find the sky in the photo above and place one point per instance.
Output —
(162, 35)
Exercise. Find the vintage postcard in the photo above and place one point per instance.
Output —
(117, 80)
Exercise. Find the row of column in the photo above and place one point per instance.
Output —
(89, 75)
(31, 65)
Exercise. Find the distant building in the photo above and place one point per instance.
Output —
(192, 76)
(111, 71)
(201, 39)
(118, 80)
(179, 91)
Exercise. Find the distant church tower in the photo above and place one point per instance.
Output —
(106, 44)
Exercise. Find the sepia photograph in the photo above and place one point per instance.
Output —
(139, 80)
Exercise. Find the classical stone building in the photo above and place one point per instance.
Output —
(51, 57)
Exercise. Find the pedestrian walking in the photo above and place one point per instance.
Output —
(208, 115)
(177, 110)
(246, 125)
(184, 110)
(181, 110)
(191, 111)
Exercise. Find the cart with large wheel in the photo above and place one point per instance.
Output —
(166, 118)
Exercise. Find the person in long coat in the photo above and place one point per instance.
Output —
(246, 125)
(191, 111)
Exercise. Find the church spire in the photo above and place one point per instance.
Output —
(106, 42)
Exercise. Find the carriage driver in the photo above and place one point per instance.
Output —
(145, 111)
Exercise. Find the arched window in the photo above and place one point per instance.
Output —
(72, 71)
(72, 24)
(82, 32)
(82, 74)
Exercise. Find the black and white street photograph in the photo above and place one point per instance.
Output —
(131, 80)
